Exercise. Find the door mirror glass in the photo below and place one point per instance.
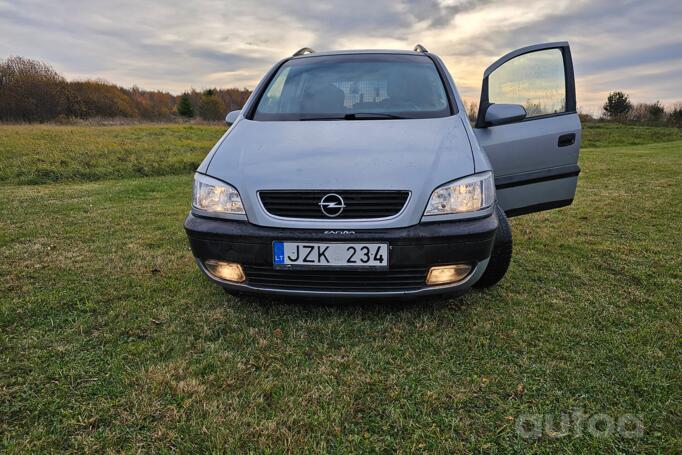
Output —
(535, 80)
(232, 117)
(499, 114)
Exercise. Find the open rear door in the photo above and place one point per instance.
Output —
(535, 158)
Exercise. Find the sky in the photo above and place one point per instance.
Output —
(628, 45)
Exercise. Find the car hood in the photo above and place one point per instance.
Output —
(415, 155)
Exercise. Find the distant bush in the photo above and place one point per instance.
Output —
(97, 98)
(211, 106)
(584, 117)
(647, 114)
(675, 116)
(655, 111)
(32, 91)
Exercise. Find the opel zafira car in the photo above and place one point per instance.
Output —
(358, 173)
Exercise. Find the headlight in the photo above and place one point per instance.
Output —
(469, 194)
(211, 195)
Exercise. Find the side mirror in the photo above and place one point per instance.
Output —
(499, 114)
(232, 117)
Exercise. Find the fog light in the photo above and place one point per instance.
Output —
(228, 271)
(446, 274)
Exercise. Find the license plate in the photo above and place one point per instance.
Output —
(342, 255)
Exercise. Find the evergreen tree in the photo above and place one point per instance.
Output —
(185, 108)
(617, 106)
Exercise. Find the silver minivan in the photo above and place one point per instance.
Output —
(358, 173)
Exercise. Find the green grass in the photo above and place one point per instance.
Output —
(32, 154)
(603, 134)
(110, 338)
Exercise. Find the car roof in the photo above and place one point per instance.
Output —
(357, 51)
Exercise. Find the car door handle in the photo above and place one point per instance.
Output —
(566, 139)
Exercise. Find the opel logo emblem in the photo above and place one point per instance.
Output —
(332, 205)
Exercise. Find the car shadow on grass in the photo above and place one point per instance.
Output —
(370, 307)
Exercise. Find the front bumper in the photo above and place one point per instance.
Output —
(412, 251)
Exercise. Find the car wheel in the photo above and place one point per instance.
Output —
(501, 255)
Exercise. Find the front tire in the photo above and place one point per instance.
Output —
(501, 256)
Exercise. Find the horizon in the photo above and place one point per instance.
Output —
(187, 47)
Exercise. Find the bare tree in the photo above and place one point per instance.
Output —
(30, 90)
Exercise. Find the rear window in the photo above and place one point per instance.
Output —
(354, 87)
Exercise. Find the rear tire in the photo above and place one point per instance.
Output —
(501, 255)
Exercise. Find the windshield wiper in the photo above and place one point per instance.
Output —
(358, 116)
(329, 117)
(372, 116)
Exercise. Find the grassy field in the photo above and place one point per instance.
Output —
(110, 339)
(32, 154)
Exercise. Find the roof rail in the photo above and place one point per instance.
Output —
(420, 48)
(303, 51)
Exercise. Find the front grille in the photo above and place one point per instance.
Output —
(358, 204)
(398, 279)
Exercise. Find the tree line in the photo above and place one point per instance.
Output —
(618, 107)
(32, 91)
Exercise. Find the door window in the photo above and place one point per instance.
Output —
(535, 80)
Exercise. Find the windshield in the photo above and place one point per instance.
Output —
(355, 87)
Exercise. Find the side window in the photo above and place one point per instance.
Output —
(274, 93)
(535, 80)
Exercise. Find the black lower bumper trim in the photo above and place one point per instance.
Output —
(402, 278)
(412, 250)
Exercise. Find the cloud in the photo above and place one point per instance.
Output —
(628, 45)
